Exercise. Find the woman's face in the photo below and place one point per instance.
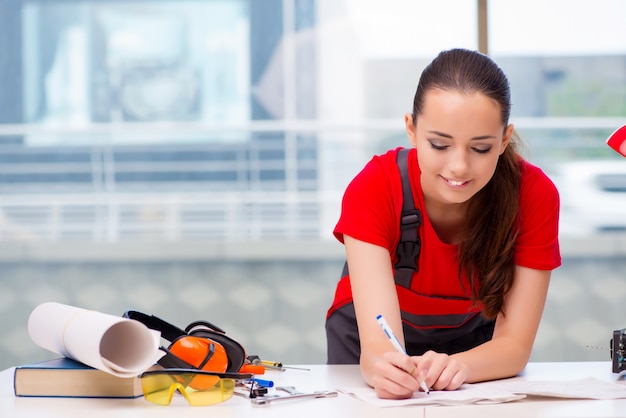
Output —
(459, 138)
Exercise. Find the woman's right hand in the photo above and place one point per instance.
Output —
(395, 376)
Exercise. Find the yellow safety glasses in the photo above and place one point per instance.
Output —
(198, 387)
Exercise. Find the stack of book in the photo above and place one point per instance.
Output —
(64, 377)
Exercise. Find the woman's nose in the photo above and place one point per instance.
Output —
(459, 162)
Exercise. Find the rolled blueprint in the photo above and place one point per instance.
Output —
(120, 346)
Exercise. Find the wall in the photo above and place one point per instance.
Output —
(272, 297)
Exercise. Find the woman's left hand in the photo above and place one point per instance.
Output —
(442, 372)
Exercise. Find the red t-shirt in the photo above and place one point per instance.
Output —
(372, 205)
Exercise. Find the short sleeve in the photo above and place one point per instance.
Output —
(537, 244)
(368, 209)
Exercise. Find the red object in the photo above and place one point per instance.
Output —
(252, 368)
(617, 140)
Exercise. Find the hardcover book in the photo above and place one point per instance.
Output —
(64, 377)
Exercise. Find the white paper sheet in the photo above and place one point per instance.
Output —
(466, 394)
(587, 388)
(120, 346)
(505, 390)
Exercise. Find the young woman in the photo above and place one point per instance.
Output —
(488, 234)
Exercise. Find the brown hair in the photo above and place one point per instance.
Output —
(488, 238)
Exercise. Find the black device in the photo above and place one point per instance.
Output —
(617, 350)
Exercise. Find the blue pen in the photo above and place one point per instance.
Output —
(263, 383)
(396, 343)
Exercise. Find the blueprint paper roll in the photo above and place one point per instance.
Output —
(117, 345)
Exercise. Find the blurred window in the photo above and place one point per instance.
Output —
(282, 99)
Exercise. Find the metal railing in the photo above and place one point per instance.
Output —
(174, 182)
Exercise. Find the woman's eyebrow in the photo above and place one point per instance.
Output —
(440, 134)
(476, 138)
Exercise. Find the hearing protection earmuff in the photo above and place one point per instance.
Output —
(201, 345)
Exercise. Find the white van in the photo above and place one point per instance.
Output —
(593, 196)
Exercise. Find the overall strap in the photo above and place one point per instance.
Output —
(409, 246)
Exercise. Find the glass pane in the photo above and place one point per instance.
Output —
(136, 61)
(557, 28)
(568, 83)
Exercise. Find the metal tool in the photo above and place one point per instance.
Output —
(274, 365)
(289, 389)
(266, 401)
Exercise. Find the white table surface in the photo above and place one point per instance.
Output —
(322, 377)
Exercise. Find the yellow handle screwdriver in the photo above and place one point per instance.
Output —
(279, 365)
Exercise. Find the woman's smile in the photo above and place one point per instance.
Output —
(457, 184)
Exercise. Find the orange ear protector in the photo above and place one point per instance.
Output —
(201, 346)
(200, 353)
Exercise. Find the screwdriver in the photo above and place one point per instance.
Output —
(277, 365)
